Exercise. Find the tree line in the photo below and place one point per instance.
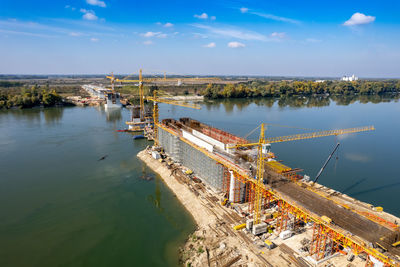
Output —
(27, 98)
(289, 88)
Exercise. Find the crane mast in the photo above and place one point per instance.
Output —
(260, 176)
(262, 141)
(157, 100)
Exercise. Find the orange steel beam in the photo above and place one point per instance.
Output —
(337, 235)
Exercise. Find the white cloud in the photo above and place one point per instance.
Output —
(244, 9)
(233, 33)
(148, 42)
(96, 3)
(88, 14)
(150, 34)
(279, 35)
(213, 17)
(210, 45)
(276, 18)
(168, 25)
(75, 34)
(359, 19)
(94, 39)
(202, 16)
(154, 34)
(236, 45)
(70, 7)
(200, 35)
(27, 33)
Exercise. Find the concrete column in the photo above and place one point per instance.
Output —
(232, 186)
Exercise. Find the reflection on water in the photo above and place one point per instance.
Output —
(55, 194)
(113, 114)
(367, 161)
(53, 115)
(29, 115)
(299, 101)
(34, 116)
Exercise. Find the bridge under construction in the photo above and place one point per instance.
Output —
(250, 176)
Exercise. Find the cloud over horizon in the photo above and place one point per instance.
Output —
(233, 33)
(236, 45)
(88, 14)
(268, 16)
(210, 45)
(201, 16)
(96, 3)
(154, 34)
(359, 19)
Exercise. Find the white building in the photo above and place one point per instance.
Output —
(350, 78)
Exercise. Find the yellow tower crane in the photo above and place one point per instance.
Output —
(157, 100)
(124, 80)
(262, 142)
(141, 81)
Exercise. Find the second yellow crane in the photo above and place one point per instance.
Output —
(157, 100)
(262, 155)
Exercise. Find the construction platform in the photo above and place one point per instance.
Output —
(207, 152)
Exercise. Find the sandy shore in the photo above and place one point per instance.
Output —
(214, 243)
(201, 215)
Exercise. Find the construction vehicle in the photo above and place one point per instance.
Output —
(239, 227)
(269, 244)
(326, 219)
(326, 163)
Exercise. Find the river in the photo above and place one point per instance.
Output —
(61, 206)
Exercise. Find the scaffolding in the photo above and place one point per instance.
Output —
(322, 244)
(216, 169)
(204, 167)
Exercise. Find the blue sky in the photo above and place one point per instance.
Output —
(296, 38)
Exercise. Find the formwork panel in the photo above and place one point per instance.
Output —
(170, 144)
(204, 167)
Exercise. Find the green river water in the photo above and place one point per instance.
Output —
(60, 206)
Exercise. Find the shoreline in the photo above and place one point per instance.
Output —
(216, 243)
(213, 240)
(182, 192)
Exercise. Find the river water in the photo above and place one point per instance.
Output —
(61, 206)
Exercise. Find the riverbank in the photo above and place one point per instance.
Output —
(214, 243)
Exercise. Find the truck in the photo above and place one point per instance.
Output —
(285, 234)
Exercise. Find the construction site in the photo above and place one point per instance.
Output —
(267, 204)
(252, 210)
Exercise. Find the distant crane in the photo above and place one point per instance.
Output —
(142, 80)
(157, 100)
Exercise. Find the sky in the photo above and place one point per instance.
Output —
(329, 38)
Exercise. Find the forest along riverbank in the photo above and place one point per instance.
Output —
(214, 243)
